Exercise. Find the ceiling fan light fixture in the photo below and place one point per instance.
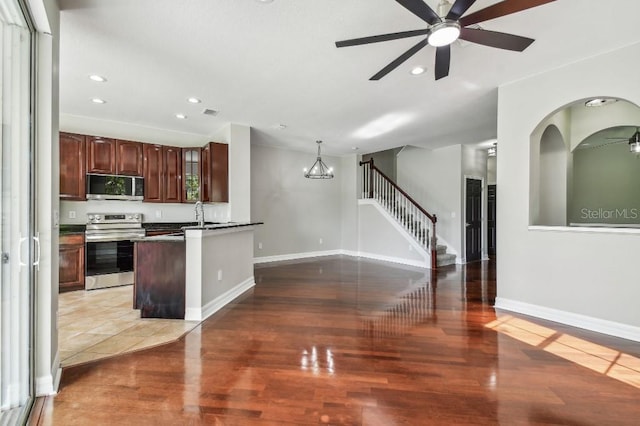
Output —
(444, 33)
(634, 143)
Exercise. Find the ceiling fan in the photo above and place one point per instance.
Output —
(447, 26)
(634, 141)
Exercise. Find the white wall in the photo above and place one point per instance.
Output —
(297, 212)
(350, 178)
(152, 212)
(47, 362)
(434, 180)
(381, 237)
(570, 275)
(238, 137)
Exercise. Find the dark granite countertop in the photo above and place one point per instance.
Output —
(213, 226)
(72, 229)
(170, 226)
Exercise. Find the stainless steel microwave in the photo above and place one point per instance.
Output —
(112, 187)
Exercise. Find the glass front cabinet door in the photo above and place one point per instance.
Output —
(191, 175)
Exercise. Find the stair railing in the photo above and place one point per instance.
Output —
(415, 219)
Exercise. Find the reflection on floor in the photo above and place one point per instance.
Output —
(101, 323)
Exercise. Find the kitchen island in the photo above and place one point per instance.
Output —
(192, 276)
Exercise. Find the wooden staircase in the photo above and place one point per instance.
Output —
(415, 220)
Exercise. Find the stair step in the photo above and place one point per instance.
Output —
(446, 259)
(441, 249)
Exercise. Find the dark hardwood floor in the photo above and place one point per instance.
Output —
(340, 341)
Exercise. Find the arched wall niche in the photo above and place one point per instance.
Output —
(577, 176)
(553, 178)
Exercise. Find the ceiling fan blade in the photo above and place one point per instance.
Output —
(496, 39)
(381, 37)
(503, 8)
(443, 61)
(396, 63)
(421, 10)
(459, 8)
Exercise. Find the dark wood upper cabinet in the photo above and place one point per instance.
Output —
(205, 187)
(129, 158)
(72, 167)
(215, 173)
(219, 173)
(191, 174)
(173, 174)
(101, 155)
(153, 173)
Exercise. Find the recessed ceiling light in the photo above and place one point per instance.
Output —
(264, 1)
(281, 126)
(98, 78)
(193, 100)
(418, 70)
(98, 101)
(596, 102)
(181, 116)
(355, 148)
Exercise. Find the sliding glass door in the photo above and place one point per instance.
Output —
(17, 245)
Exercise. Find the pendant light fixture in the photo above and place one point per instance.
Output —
(319, 170)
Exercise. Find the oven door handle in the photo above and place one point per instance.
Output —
(109, 238)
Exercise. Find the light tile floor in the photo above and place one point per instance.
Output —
(102, 323)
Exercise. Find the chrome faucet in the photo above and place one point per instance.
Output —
(200, 213)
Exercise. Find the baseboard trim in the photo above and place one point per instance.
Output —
(598, 325)
(409, 262)
(201, 314)
(49, 384)
(296, 256)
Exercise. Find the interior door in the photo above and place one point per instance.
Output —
(491, 220)
(473, 216)
(16, 229)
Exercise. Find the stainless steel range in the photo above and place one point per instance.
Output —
(109, 248)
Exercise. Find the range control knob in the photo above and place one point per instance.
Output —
(90, 217)
(136, 216)
(98, 217)
(128, 216)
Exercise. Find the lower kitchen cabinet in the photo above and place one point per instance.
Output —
(71, 262)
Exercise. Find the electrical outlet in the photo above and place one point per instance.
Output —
(72, 214)
(320, 241)
(158, 214)
(219, 274)
(259, 246)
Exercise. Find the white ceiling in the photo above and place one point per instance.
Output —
(265, 64)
